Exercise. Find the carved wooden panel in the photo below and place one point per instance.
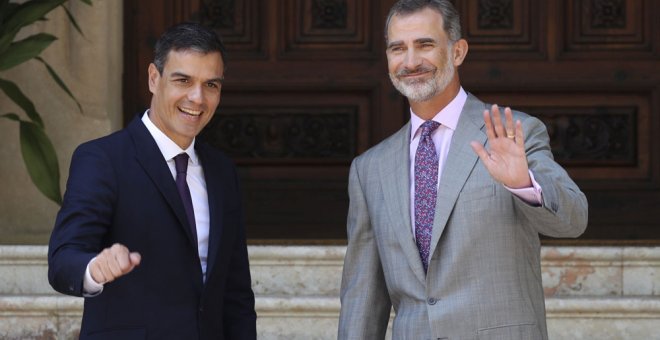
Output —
(285, 135)
(293, 146)
(329, 29)
(240, 23)
(506, 27)
(619, 27)
(594, 136)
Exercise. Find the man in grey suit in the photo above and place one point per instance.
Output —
(445, 215)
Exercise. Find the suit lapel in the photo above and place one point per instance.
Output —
(395, 179)
(458, 165)
(212, 176)
(151, 160)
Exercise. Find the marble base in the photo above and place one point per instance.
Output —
(591, 293)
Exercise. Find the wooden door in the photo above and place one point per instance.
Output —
(307, 90)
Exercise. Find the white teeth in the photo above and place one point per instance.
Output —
(191, 112)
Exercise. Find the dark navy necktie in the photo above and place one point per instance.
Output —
(426, 189)
(181, 164)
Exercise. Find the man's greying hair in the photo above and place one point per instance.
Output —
(187, 36)
(450, 17)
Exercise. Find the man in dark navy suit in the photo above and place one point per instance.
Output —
(151, 228)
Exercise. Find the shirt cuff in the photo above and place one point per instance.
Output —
(90, 287)
(532, 195)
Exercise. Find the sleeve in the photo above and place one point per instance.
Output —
(365, 302)
(563, 212)
(240, 317)
(83, 219)
(91, 288)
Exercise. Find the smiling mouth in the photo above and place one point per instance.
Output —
(420, 71)
(415, 74)
(190, 112)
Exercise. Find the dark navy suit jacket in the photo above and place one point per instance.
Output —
(120, 190)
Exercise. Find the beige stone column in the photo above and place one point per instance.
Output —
(91, 66)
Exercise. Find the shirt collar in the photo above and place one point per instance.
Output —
(167, 147)
(448, 116)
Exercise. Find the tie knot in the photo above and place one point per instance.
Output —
(181, 163)
(428, 127)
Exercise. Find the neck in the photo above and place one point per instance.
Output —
(428, 109)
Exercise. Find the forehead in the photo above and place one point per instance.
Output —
(426, 23)
(191, 62)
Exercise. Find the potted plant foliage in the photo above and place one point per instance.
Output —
(36, 148)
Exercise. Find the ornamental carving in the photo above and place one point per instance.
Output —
(608, 14)
(495, 14)
(218, 14)
(605, 138)
(285, 135)
(329, 14)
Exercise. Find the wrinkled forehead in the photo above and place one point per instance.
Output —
(423, 24)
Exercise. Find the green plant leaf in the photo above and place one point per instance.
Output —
(89, 2)
(16, 95)
(40, 160)
(29, 12)
(6, 10)
(73, 20)
(25, 50)
(60, 82)
(11, 116)
(6, 38)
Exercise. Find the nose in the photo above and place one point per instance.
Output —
(412, 60)
(196, 94)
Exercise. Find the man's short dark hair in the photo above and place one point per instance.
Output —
(451, 19)
(187, 36)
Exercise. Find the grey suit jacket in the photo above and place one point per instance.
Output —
(484, 276)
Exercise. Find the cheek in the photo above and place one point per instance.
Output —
(172, 94)
(391, 69)
(213, 99)
(392, 63)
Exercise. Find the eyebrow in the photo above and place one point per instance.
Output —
(179, 74)
(212, 80)
(425, 40)
(417, 41)
(217, 80)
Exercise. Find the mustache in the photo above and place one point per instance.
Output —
(421, 69)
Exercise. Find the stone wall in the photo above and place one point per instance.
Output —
(591, 293)
(91, 66)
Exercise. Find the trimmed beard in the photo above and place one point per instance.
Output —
(424, 90)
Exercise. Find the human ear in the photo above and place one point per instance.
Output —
(154, 77)
(460, 50)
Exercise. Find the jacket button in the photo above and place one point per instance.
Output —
(432, 301)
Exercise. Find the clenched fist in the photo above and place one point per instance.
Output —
(112, 263)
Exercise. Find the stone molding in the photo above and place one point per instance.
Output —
(595, 293)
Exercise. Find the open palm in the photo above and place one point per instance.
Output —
(505, 158)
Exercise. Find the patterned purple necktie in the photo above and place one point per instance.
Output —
(426, 190)
(181, 164)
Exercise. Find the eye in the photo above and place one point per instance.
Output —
(213, 85)
(181, 80)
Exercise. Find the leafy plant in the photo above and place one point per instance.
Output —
(37, 150)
